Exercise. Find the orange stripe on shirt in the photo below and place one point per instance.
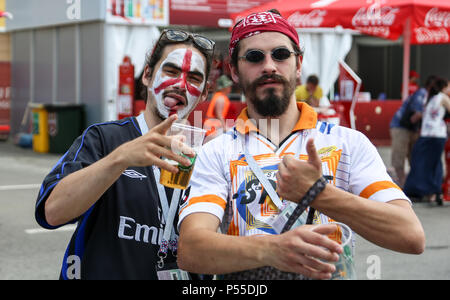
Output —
(376, 187)
(266, 144)
(288, 145)
(207, 199)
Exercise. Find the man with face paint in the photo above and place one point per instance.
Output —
(107, 180)
(246, 180)
(178, 83)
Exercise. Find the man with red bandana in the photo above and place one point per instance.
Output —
(107, 180)
(247, 178)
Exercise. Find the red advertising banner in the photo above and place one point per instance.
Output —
(5, 96)
(211, 13)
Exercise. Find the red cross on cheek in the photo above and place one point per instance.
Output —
(184, 84)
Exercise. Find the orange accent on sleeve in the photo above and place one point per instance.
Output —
(376, 187)
(208, 199)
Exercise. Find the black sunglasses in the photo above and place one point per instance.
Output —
(278, 54)
(181, 36)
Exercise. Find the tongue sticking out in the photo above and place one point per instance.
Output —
(170, 102)
(173, 105)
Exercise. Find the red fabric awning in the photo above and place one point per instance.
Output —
(429, 19)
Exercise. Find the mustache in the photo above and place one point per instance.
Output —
(176, 92)
(275, 77)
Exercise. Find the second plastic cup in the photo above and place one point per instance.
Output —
(345, 267)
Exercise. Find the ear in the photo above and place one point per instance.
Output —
(234, 73)
(146, 76)
(299, 65)
(204, 95)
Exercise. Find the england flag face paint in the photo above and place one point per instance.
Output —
(173, 89)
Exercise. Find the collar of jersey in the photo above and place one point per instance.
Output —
(142, 124)
(307, 120)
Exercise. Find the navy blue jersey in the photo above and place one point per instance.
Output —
(119, 236)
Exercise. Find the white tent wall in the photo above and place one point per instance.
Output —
(122, 40)
(323, 48)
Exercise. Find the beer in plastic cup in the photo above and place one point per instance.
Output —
(194, 137)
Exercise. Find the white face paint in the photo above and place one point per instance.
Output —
(166, 89)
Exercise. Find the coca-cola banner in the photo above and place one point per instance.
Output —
(432, 26)
(429, 19)
(211, 13)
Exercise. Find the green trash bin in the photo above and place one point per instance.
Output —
(65, 123)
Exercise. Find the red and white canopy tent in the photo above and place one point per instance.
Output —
(418, 21)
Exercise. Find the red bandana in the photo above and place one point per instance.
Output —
(261, 22)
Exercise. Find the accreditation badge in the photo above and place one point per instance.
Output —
(280, 220)
(171, 271)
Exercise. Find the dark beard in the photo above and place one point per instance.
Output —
(271, 105)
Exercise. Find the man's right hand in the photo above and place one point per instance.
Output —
(148, 149)
(306, 252)
(301, 250)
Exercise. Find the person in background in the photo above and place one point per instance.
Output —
(107, 179)
(424, 180)
(413, 84)
(219, 106)
(310, 92)
(405, 127)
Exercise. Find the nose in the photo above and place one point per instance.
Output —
(269, 65)
(183, 81)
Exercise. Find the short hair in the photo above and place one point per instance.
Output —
(313, 79)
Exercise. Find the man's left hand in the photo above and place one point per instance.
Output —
(295, 177)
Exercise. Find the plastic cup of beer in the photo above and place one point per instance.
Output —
(192, 137)
(345, 266)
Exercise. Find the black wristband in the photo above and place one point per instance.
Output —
(314, 191)
(310, 195)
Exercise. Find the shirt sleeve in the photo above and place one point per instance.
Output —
(85, 150)
(208, 187)
(418, 100)
(369, 178)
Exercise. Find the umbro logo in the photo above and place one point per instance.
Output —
(133, 174)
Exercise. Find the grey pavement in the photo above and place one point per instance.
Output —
(27, 252)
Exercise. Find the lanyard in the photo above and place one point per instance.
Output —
(256, 169)
(169, 239)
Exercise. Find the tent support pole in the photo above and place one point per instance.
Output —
(406, 58)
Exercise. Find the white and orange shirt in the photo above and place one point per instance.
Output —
(222, 176)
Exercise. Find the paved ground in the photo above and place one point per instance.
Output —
(27, 252)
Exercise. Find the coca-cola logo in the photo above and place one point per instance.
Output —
(381, 31)
(375, 15)
(437, 18)
(311, 19)
(431, 36)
